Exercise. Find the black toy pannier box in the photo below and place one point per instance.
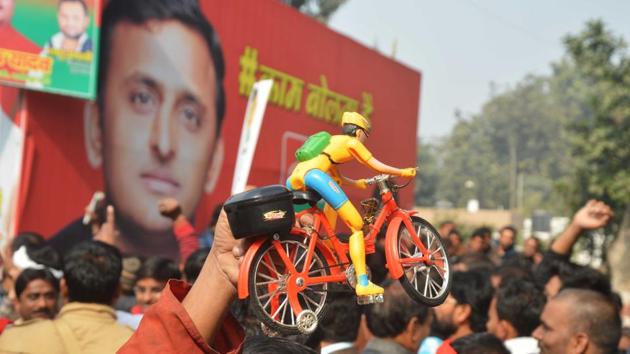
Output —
(260, 211)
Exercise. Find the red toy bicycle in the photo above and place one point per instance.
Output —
(286, 276)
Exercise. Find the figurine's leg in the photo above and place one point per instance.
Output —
(335, 197)
(367, 292)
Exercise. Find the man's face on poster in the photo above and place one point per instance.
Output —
(158, 120)
(6, 11)
(73, 19)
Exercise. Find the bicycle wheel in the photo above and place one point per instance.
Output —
(428, 280)
(279, 297)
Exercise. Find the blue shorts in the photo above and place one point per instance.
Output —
(323, 184)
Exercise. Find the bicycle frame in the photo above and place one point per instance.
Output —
(337, 255)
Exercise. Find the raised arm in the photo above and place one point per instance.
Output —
(378, 166)
(593, 215)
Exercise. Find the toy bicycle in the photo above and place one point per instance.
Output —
(286, 276)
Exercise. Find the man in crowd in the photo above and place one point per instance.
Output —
(579, 321)
(465, 310)
(37, 293)
(87, 323)
(505, 248)
(340, 325)
(399, 324)
(155, 128)
(515, 313)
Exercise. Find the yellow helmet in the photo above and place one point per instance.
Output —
(356, 119)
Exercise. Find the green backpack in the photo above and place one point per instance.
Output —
(313, 146)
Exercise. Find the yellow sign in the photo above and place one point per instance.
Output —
(321, 102)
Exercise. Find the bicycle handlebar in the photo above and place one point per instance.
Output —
(381, 177)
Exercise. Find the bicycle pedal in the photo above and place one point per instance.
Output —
(370, 299)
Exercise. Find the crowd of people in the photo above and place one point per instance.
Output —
(91, 298)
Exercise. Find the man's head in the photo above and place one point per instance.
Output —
(479, 343)
(194, 263)
(73, 18)
(399, 318)
(507, 237)
(515, 310)
(480, 240)
(446, 227)
(160, 108)
(342, 319)
(151, 279)
(6, 12)
(466, 308)
(92, 272)
(37, 291)
(531, 246)
(579, 321)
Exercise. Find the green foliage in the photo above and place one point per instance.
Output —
(549, 142)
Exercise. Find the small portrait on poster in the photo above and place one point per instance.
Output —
(73, 18)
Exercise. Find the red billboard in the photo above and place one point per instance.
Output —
(157, 133)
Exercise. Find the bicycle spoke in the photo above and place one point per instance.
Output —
(271, 295)
(265, 276)
(292, 316)
(269, 267)
(426, 285)
(274, 281)
(283, 304)
(302, 257)
(305, 301)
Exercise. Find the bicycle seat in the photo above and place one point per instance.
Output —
(309, 196)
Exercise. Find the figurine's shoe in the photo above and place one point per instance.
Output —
(369, 294)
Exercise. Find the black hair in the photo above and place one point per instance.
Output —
(350, 129)
(92, 272)
(261, 344)
(194, 263)
(341, 321)
(520, 303)
(30, 274)
(479, 343)
(46, 256)
(82, 2)
(508, 227)
(594, 314)
(158, 268)
(515, 268)
(481, 232)
(583, 277)
(139, 12)
(390, 318)
(30, 240)
(473, 289)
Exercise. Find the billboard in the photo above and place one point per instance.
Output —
(160, 126)
(50, 45)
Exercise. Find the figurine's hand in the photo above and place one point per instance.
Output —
(408, 172)
(361, 184)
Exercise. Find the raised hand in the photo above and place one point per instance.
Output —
(593, 215)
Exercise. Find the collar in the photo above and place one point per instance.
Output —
(387, 346)
(522, 345)
(87, 310)
(336, 347)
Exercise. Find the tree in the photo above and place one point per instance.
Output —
(594, 80)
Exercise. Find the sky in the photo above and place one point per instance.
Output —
(461, 46)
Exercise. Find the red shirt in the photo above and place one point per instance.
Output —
(186, 238)
(167, 328)
(14, 40)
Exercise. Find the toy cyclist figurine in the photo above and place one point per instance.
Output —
(320, 174)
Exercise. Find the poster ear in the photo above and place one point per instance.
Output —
(214, 169)
(92, 134)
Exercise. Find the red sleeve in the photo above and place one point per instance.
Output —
(186, 238)
(167, 328)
